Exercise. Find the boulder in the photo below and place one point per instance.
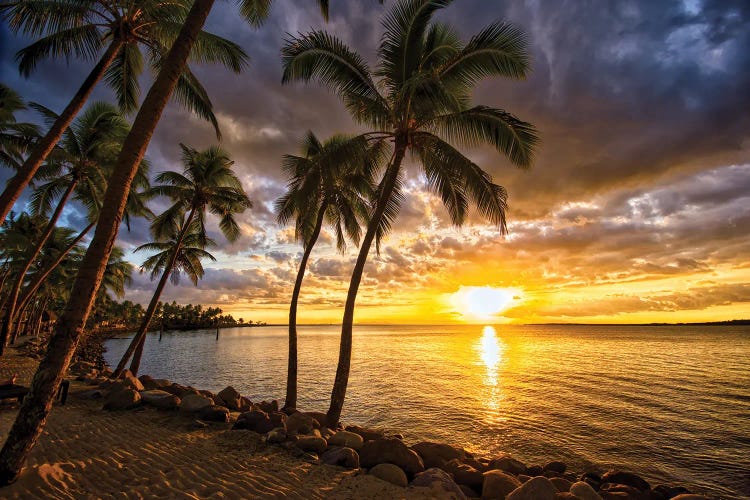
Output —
(245, 404)
(690, 496)
(623, 491)
(437, 454)
(178, 390)
(393, 451)
(160, 399)
(592, 478)
(254, 420)
(626, 478)
(464, 474)
(348, 439)
(506, 463)
(437, 479)
(123, 399)
(561, 484)
(327, 433)
(312, 443)
(669, 491)
(498, 484)
(536, 488)
(268, 406)
(129, 380)
(533, 470)
(565, 495)
(320, 418)
(230, 398)
(367, 434)
(390, 473)
(148, 382)
(584, 491)
(277, 419)
(558, 467)
(342, 456)
(214, 413)
(276, 436)
(299, 423)
(193, 402)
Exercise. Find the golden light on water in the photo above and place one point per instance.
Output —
(491, 351)
(482, 302)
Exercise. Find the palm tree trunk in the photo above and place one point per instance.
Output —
(12, 301)
(69, 329)
(18, 182)
(345, 348)
(42, 276)
(291, 373)
(139, 339)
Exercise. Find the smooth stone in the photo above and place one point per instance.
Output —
(565, 495)
(319, 418)
(299, 423)
(690, 496)
(536, 488)
(464, 474)
(130, 380)
(584, 491)
(498, 484)
(179, 390)
(438, 479)
(509, 464)
(341, 456)
(327, 434)
(390, 473)
(160, 399)
(626, 478)
(230, 397)
(670, 491)
(268, 406)
(367, 434)
(555, 466)
(437, 454)
(613, 490)
(533, 470)
(254, 420)
(198, 425)
(392, 451)
(348, 439)
(276, 436)
(561, 484)
(312, 443)
(214, 413)
(123, 399)
(468, 492)
(148, 382)
(194, 402)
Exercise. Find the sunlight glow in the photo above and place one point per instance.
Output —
(476, 302)
(491, 352)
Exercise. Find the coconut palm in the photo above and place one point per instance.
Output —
(422, 103)
(15, 137)
(327, 183)
(207, 184)
(79, 168)
(69, 328)
(119, 32)
(172, 258)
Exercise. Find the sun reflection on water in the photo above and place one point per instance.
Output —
(491, 351)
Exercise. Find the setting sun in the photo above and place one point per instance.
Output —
(482, 302)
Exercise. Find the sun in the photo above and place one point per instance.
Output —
(485, 302)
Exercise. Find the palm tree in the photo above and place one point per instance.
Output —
(326, 183)
(207, 183)
(422, 104)
(172, 258)
(78, 168)
(119, 30)
(36, 406)
(15, 137)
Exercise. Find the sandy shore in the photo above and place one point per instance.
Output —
(86, 452)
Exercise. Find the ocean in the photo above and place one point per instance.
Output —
(671, 403)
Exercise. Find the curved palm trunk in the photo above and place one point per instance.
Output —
(291, 373)
(69, 330)
(42, 276)
(11, 304)
(18, 182)
(135, 348)
(345, 348)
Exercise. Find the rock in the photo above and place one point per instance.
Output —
(299, 423)
(536, 488)
(268, 406)
(178, 390)
(348, 439)
(468, 492)
(193, 402)
(277, 419)
(623, 491)
(89, 394)
(129, 380)
(561, 484)
(214, 413)
(509, 464)
(276, 436)
(148, 382)
(254, 420)
(390, 473)
(523, 478)
(690, 496)
(327, 434)
(669, 491)
(533, 470)
(198, 424)
(557, 467)
(464, 474)
(565, 495)
(342, 456)
(584, 491)
(437, 454)
(245, 404)
(160, 399)
(498, 484)
(438, 479)
(312, 443)
(230, 397)
(123, 399)
(318, 417)
(391, 451)
(626, 478)
(367, 434)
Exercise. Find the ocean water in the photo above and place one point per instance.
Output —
(670, 403)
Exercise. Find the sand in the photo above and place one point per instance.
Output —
(86, 452)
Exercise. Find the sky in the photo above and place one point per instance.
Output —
(637, 208)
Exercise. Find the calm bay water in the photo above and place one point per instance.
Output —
(671, 403)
